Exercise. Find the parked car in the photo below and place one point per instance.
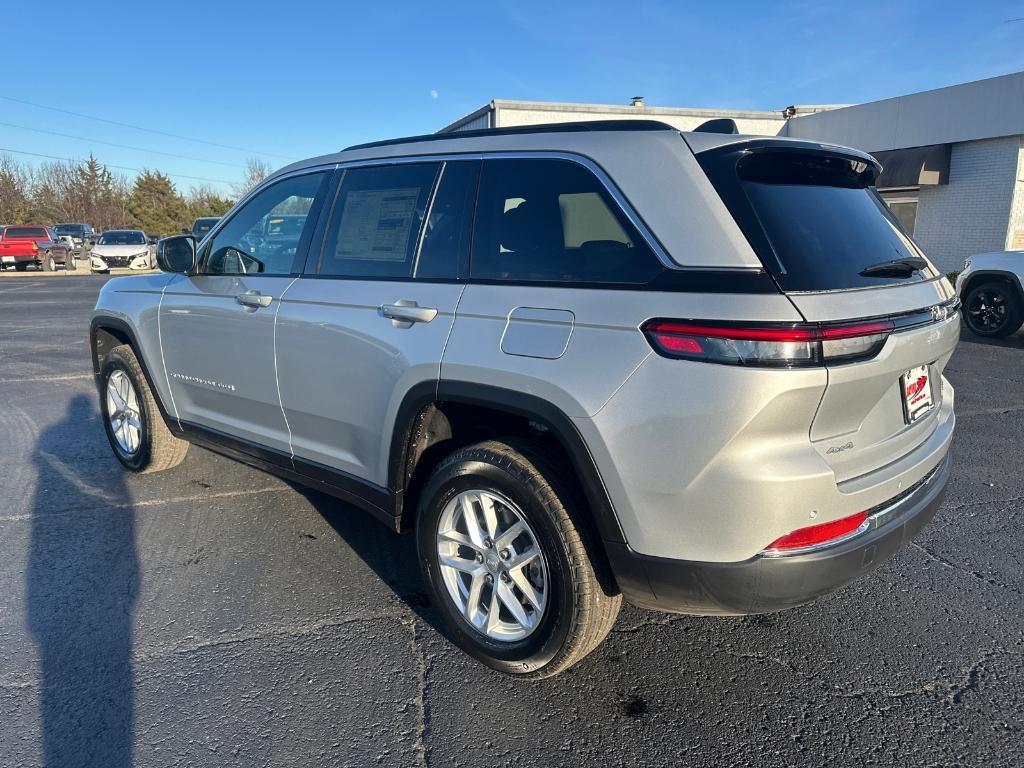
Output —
(699, 372)
(24, 245)
(990, 287)
(203, 225)
(121, 248)
(81, 235)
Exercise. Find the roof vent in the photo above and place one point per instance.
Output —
(638, 101)
(718, 125)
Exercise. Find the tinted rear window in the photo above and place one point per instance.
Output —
(39, 232)
(814, 218)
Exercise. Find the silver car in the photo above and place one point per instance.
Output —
(590, 362)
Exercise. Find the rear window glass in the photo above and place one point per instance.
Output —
(815, 219)
(25, 232)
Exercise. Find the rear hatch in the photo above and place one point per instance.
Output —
(813, 216)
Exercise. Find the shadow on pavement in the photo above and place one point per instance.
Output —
(390, 555)
(1016, 341)
(82, 582)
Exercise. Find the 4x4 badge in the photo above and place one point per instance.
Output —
(840, 448)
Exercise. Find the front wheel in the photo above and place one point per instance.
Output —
(505, 557)
(137, 433)
(993, 310)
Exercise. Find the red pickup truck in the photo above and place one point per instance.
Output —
(24, 244)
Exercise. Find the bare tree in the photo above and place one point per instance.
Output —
(15, 189)
(256, 170)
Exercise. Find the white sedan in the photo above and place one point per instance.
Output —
(120, 249)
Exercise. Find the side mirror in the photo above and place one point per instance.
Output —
(176, 254)
(186, 231)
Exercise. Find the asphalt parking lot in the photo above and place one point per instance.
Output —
(214, 615)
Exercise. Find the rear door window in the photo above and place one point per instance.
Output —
(815, 218)
(552, 220)
(376, 221)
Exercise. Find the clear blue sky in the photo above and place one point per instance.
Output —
(287, 80)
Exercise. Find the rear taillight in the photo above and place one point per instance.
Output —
(767, 344)
(815, 536)
(35, 247)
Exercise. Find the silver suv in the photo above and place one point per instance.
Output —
(586, 362)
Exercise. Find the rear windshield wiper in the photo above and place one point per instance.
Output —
(895, 268)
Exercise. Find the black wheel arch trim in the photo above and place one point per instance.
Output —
(975, 278)
(123, 328)
(431, 393)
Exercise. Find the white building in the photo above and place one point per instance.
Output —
(953, 158)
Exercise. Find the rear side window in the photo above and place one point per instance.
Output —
(541, 220)
(814, 218)
(376, 220)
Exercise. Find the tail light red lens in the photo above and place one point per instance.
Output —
(814, 536)
(767, 344)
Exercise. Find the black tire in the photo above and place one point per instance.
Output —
(69, 263)
(993, 309)
(579, 612)
(158, 449)
(48, 263)
(21, 266)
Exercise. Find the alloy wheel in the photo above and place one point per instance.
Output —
(987, 310)
(123, 412)
(492, 565)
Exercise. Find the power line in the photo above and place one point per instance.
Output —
(117, 167)
(121, 146)
(142, 128)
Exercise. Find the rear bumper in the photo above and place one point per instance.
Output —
(765, 584)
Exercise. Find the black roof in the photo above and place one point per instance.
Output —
(591, 125)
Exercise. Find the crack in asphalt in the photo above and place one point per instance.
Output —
(114, 503)
(957, 567)
(420, 699)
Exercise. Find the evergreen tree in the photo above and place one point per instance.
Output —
(155, 205)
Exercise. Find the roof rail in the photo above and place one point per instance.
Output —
(718, 125)
(589, 125)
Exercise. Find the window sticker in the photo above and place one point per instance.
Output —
(376, 224)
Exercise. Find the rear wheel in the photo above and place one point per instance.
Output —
(21, 266)
(49, 264)
(69, 263)
(993, 310)
(506, 562)
(136, 431)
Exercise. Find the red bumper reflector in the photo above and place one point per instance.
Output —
(815, 535)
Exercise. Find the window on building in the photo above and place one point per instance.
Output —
(904, 207)
(553, 221)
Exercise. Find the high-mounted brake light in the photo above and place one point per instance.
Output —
(815, 536)
(768, 344)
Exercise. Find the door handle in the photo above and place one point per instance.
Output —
(405, 311)
(253, 299)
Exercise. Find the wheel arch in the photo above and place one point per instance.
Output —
(107, 332)
(992, 275)
(427, 427)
